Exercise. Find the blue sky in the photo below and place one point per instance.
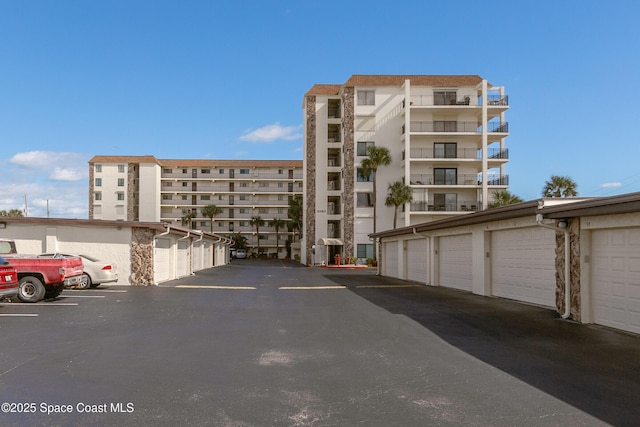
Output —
(225, 80)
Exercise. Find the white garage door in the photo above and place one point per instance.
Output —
(162, 260)
(182, 261)
(390, 259)
(417, 260)
(455, 262)
(196, 260)
(616, 278)
(523, 265)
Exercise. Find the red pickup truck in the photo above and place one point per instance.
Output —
(41, 278)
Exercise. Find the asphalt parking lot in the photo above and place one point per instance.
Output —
(269, 343)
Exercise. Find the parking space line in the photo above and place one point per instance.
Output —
(309, 288)
(94, 290)
(237, 288)
(82, 296)
(19, 315)
(44, 304)
(388, 286)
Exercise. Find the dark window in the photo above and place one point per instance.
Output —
(364, 200)
(445, 176)
(445, 97)
(445, 150)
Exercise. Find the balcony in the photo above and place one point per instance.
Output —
(430, 206)
(498, 100)
(462, 179)
(446, 126)
(460, 154)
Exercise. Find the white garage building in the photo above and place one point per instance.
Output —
(518, 252)
(146, 253)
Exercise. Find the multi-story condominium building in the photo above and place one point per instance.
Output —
(144, 188)
(446, 136)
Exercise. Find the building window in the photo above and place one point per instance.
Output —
(280, 197)
(366, 97)
(221, 172)
(264, 184)
(244, 223)
(363, 146)
(263, 210)
(205, 197)
(444, 97)
(362, 178)
(97, 195)
(280, 171)
(244, 171)
(364, 251)
(98, 168)
(120, 195)
(168, 184)
(244, 184)
(205, 170)
(167, 170)
(184, 171)
(120, 168)
(445, 202)
(445, 176)
(445, 150)
(184, 184)
(98, 182)
(244, 210)
(167, 197)
(184, 197)
(364, 200)
(120, 182)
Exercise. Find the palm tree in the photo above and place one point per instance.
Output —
(210, 211)
(560, 186)
(277, 224)
(187, 217)
(256, 222)
(239, 241)
(503, 198)
(295, 214)
(378, 156)
(11, 212)
(399, 194)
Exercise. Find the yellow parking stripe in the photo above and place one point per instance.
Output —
(237, 288)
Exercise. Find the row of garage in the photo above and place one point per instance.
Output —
(517, 252)
(146, 253)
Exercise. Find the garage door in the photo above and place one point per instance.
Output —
(162, 260)
(417, 260)
(196, 259)
(523, 265)
(455, 262)
(616, 278)
(390, 259)
(182, 261)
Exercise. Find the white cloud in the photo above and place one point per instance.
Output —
(272, 133)
(53, 183)
(67, 174)
(611, 185)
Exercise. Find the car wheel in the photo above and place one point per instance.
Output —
(54, 292)
(85, 281)
(30, 289)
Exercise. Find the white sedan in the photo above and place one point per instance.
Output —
(94, 271)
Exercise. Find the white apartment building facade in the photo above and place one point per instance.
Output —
(446, 136)
(144, 188)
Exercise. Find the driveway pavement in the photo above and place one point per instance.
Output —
(269, 343)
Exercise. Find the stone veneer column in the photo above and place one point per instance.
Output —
(310, 178)
(131, 192)
(348, 170)
(574, 254)
(141, 257)
(91, 181)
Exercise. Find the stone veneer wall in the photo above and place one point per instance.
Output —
(574, 238)
(310, 178)
(91, 181)
(132, 214)
(348, 171)
(142, 257)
